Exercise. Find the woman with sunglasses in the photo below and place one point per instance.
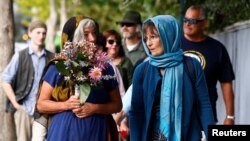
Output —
(166, 105)
(116, 53)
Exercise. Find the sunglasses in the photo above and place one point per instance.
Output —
(192, 21)
(127, 24)
(111, 42)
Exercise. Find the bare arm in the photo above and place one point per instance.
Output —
(228, 96)
(46, 105)
(10, 94)
(113, 106)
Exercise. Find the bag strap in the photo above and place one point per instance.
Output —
(188, 64)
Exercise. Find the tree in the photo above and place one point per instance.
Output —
(45, 11)
(63, 13)
(51, 24)
(107, 12)
(7, 132)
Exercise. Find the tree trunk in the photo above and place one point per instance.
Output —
(51, 24)
(63, 13)
(63, 19)
(7, 126)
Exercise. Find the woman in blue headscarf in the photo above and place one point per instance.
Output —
(166, 104)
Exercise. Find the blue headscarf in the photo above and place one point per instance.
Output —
(172, 81)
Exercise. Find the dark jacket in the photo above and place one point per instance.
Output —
(144, 89)
(24, 78)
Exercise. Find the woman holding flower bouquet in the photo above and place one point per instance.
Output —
(79, 88)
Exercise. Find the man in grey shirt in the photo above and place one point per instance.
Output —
(131, 31)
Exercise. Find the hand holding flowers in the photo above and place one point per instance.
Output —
(72, 103)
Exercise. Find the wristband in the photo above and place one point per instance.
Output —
(230, 117)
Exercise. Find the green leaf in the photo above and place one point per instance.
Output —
(84, 92)
(75, 64)
(80, 56)
(61, 68)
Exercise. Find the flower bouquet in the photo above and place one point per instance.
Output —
(82, 63)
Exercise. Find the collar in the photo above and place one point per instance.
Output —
(42, 53)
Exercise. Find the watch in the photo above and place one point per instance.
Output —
(230, 117)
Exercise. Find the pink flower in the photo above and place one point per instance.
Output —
(101, 59)
(95, 73)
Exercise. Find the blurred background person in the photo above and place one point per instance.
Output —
(116, 53)
(131, 31)
(21, 79)
(213, 57)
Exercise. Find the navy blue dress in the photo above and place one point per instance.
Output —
(65, 126)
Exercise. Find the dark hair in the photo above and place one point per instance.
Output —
(203, 11)
(148, 26)
(117, 36)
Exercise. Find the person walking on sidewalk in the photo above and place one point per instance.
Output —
(213, 57)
